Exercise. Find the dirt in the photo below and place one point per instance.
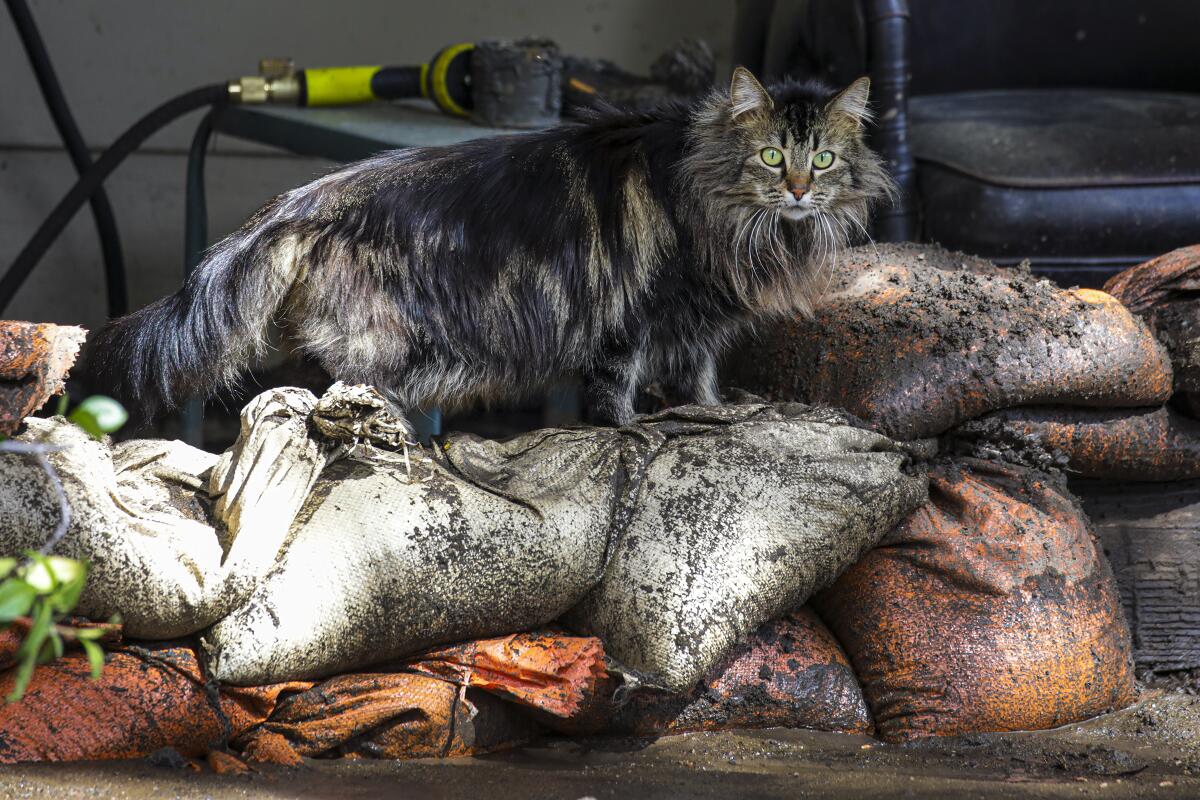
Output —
(1149, 750)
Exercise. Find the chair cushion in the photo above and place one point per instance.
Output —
(1060, 176)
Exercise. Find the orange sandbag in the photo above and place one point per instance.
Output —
(34, 359)
(146, 699)
(449, 701)
(554, 673)
(391, 715)
(1165, 292)
(791, 673)
(990, 609)
(1156, 444)
(915, 344)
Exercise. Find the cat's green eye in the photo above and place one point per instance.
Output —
(771, 156)
(823, 159)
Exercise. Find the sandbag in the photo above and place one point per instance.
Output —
(915, 345)
(790, 673)
(991, 608)
(392, 554)
(1157, 444)
(388, 715)
(1165, 292)
(1151, 535)
(34, 359)
(744, 512)
(147, 698)
(469, 698)
(139, 514)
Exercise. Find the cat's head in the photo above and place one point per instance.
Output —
(796, 149)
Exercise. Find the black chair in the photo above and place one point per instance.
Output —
(1065, 132)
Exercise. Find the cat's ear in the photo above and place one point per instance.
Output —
(852, 101)
(746, 94)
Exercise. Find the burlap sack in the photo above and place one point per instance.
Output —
(916, 342)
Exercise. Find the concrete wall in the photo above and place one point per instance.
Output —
(116, 59)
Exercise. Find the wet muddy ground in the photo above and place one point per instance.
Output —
(1149, 750)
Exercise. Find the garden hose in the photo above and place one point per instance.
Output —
(72, 139)
(445, 80)
(94, 176)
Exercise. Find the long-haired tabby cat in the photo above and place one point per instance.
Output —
(623, 249)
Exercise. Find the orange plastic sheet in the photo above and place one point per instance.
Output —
(990, 609)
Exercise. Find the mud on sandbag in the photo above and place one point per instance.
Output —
(1165, 292)
(991, 608)
(393, 553)
(139, 513)
(790, 673)
(1157, 444)
(916, 340)
(744, 511)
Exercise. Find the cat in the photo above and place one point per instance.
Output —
(624, 248)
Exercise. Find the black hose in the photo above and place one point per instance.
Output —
(91, 180)
(72, 139)
(195, 240)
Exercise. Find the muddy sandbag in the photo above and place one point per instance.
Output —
(744, 512)
(469, 698)
(34, 359)
(1165, 292)
(916, 345)
(991, 608)
(551, 672)
(396, 552)
(1157, 444)
(140, 516)
(790, 673)
(388, 715)
(147, 698)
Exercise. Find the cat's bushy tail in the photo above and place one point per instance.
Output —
(201, 338)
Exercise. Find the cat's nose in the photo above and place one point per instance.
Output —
(798, 190)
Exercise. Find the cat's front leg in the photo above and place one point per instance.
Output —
(611, 384)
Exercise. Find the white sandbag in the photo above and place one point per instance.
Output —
(744, 512)
(710, 520)
(391, 555)
(138, 514)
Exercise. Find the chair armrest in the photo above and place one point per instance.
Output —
(887, 58)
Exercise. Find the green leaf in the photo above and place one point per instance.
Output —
(52, 648)
(39, 574)
(89, 634)
(21, 681)
(99, 415)
(60, 408)
(16, 598)
(95, 656)
(30, 650)
(42, 620)
(66, 569)
(7, 565)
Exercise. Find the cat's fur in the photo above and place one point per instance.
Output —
(626, 248)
